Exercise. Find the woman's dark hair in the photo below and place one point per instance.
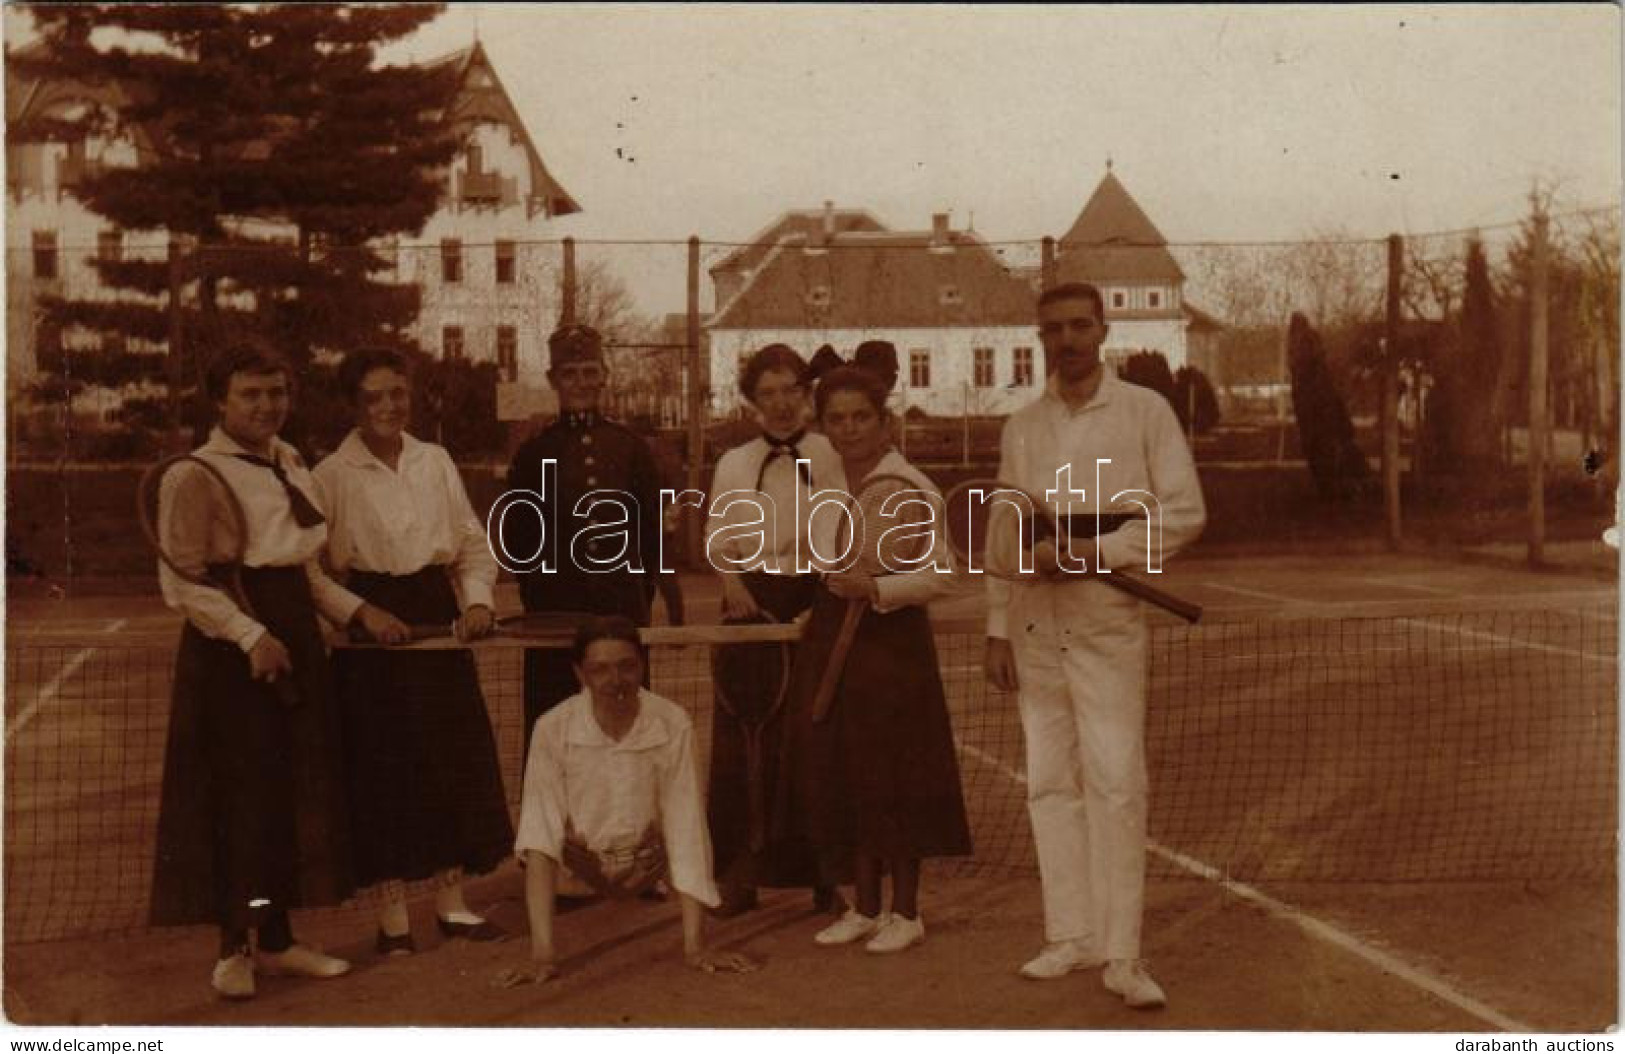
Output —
(605, 627)
(851, 379)
(362, 361)
(774, 357)
(249, 356)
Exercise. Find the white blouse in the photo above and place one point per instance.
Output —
(733, 542)
(196, 530)
(398, 521)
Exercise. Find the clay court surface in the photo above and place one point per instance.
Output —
(1278, 832)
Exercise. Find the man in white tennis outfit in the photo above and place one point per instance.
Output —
(1075, 649)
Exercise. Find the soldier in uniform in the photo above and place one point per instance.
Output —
(593, 554)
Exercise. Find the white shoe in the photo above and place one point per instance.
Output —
(234, 977)
(850, 927)
(896, 934)
(300, 961)
(1060, 958)
(1130, 979)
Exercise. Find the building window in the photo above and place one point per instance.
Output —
(983, 367)
(818, 296)
(919, 368)
(110, 246)
(1119, 299)
(451, 260)
(451, 343)
(1021, 372)
(45, 254)
(949, 296)
(508, 352)
(505, 268)
(1154, 298)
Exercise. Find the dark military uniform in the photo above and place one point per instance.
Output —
(592, 453)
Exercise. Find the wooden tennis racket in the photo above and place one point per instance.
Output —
(539, 628)
(189, 478)
(991, 521)
(877, 508)
(741, 672)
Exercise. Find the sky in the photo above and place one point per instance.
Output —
(1227, 124)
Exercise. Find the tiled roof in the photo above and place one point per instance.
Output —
(1114, 240)
(808, 222)
(876, 279)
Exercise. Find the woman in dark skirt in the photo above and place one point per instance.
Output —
(253, 819)
(877, 779)
(762, 581)
(425, 789)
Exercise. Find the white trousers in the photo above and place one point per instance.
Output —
(1080, 650)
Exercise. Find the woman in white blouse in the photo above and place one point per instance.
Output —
(426, 792)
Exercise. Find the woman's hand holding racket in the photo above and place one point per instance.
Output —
(854, 585)
(268, 659)
(380, 625)
(477, 622)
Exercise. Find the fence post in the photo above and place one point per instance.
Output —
(567, 292)
(698, 389)
(1046, 269)
(1538, 307)
(175, 376)
(1390, 392)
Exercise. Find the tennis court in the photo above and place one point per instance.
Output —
(1384, 798)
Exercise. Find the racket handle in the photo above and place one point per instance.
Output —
(837, 659)
(1143, 590)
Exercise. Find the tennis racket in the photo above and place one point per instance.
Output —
(189, 478)
(876, 508)
(740, 672)
(548, 628)
(990, 520)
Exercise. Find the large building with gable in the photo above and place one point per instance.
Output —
(487, 294)
(960, 316)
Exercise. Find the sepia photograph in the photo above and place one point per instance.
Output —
(1061, 518)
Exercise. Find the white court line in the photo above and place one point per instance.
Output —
(1257, 594)
(47, 693)
(1394, 583)
(1325, 931)
(1480, 635)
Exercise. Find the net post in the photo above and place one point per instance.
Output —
(1390, 393)
(567, 291)
(1538, 358)
(698, 387)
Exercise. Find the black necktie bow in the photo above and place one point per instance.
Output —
(790, 447)
(304, 513)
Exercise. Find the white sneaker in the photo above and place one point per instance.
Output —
(850, 927)
(234, 977)
(1060, 958)
(897, 934)
(300, 961)
(1130, 979)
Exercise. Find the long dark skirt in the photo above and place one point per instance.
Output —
(878, 777)
(425, 788)
(253, 799)
(728, 800)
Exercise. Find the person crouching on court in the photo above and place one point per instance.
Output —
(875, 782)
(425, 788)
(612, 792)
(253, 819)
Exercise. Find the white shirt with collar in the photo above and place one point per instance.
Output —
(932, 578)
(610, 791)
(398, 521)
(733, 490)
(196, 530)
(1133, 427)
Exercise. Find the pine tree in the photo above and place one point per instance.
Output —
(1324, 430)
(277, 153)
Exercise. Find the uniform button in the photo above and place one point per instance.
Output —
(589, 459)
(592, 481)
(586, 440)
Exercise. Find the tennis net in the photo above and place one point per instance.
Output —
(1395, 742)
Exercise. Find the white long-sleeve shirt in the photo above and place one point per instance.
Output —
(610, 791)
(196, 530)
(1136, 432)
(398, 521)
(733, 541)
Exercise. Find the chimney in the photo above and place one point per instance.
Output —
(829, 222)
(939, 228)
